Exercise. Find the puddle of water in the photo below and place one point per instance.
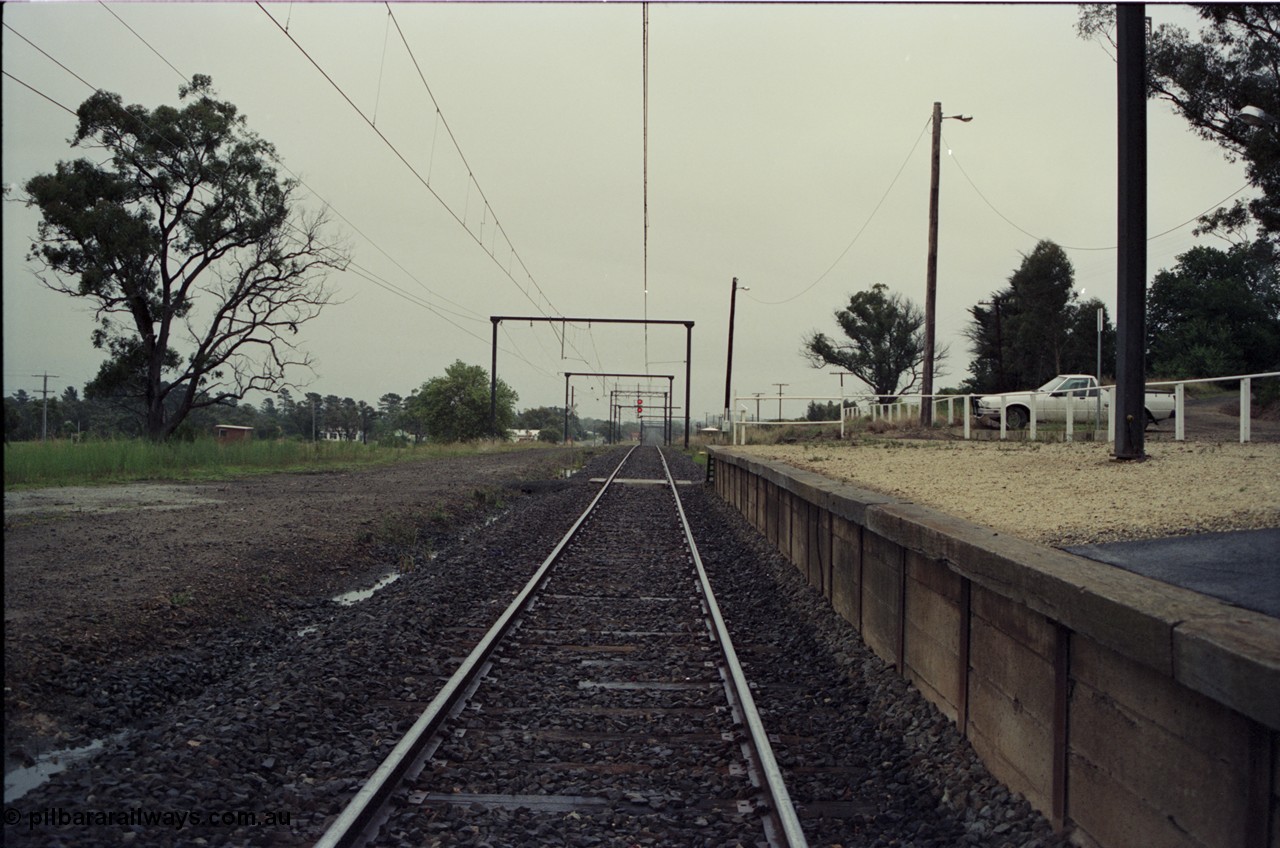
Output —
(346, 599)
(23, 779)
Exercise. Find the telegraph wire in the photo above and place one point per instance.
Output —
(88, 84)
(37, 91)
(860, 231)
(144, 41)
(1006, 219)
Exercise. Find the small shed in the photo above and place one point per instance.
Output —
(232, 433)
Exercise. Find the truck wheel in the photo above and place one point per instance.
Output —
(1016, 417)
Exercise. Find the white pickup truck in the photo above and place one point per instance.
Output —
(1050, 402)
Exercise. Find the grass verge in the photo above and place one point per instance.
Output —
(66, 463)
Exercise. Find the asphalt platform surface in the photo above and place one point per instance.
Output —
(1241, 568)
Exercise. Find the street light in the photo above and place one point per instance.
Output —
(1255, 117)
(931, 278)
(728, 368)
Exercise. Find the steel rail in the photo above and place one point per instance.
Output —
(363, 812)
(771, 775)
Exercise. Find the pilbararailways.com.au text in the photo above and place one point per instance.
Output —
(139, 817)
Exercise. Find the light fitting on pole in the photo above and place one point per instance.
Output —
(1255, 117)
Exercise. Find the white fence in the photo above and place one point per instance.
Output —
(1085, 406)
(740, 425)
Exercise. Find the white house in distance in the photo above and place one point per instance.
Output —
(523, 435)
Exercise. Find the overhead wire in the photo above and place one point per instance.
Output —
(386, 36)
(860, 231)
(45, 54)
(353, 266)
(645, 273)
(470, 173)
(435, 309)
(34, 90)
(185, 79)
(1025, 232)
(381, 282)
(397, 152)
(488, 211)
(274, 157)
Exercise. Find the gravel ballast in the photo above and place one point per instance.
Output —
(306, 713)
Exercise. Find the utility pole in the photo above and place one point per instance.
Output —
(728, 368)
(931, 269)
(780, 386)
(757, 394)
(44, 417)
(931, 273)
(842, 375)
(1131, 266)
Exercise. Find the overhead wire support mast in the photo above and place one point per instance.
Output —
(670, 390)
(493, 370)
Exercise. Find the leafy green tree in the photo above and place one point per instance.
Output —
(455, 407)
(1035, 327)
(268, 425)
(1040, 291)
(368, 417)
(390, 408)
(1217, 313)
(1233, 63)
(828, 411)
(548, 418)
(886, 349)
(179, 230)
(72, 413)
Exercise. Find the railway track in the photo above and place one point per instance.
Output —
(605, 706)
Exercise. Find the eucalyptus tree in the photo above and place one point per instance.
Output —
(885, 347)
(1209, 79)
(200, 265)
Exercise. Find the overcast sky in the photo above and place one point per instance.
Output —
(775, 134)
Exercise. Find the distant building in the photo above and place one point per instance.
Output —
(336, 436)
(232, 433)
(524, 435)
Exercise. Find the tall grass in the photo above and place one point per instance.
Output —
(67, 463)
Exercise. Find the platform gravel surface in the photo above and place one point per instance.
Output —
(1063, 494)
